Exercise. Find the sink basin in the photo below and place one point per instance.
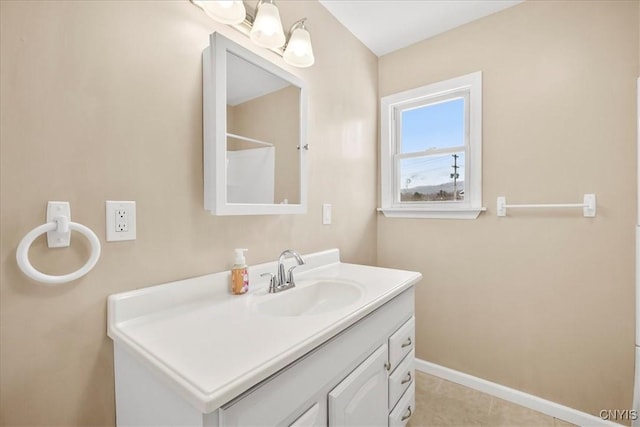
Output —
(310, 297)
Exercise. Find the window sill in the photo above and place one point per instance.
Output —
(433, 213)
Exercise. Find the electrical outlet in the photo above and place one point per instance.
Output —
(120, 220)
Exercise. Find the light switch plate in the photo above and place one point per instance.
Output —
(326, 214)
(120, 220)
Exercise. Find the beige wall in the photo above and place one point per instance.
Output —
(539, 301)
(102, 101)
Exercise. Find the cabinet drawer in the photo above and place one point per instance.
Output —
(402, 342)
(401, 379)
(405, 408)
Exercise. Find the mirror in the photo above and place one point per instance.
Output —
(254, 130)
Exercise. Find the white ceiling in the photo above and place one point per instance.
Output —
(388, 25)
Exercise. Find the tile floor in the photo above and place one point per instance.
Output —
(443, 403)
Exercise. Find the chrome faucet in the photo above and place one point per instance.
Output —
(284, 280)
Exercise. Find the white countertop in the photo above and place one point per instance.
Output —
(212, 346)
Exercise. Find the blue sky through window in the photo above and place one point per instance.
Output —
(433, 126)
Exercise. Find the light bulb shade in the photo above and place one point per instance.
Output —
(267, 27)
(226, 11)
(299, 52)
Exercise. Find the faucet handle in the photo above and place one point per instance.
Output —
(272, 282)
(290, 278)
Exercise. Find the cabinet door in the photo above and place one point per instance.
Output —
(311, 418)
(361, 399)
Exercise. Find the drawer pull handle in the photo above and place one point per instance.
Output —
(406, 417)
(406, 380)
(407, 343)
(387, 366)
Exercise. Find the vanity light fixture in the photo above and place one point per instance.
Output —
(298, 51)
(230, 12)
(264, 28)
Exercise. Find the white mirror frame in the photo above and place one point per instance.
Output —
(214, 76)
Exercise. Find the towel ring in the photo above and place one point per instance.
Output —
(22, 253)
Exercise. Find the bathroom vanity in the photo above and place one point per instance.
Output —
(337, 349)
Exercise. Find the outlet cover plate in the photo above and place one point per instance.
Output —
(112, 210)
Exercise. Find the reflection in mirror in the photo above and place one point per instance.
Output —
(254, 116)
(263, 130)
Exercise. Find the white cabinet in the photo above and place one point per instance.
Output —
(237, 82)
(344, 381)
(361, 398)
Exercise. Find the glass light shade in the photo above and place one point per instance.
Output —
(299, 52)
(267, 28)
(226, 11)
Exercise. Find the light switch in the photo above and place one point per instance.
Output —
(326, 214)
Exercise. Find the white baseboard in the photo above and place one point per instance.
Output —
(512, 395)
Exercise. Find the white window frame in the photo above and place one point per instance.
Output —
(468, 86)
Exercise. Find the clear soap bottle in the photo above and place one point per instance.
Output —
(239, 274)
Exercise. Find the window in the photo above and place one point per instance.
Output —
(431, 150)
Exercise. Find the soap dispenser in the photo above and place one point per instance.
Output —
(239, 274)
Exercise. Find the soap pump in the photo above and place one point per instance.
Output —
(239, 274)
